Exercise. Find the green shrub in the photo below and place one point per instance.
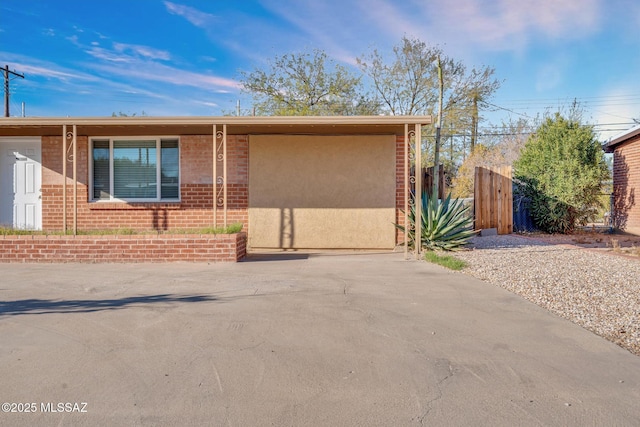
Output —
(446, 225)
(561, 170)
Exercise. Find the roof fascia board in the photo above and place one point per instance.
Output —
(622, 137)
(228, 120)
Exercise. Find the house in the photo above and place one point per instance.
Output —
(294, 182)
(626, 179)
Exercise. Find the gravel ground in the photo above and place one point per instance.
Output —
(597, 290)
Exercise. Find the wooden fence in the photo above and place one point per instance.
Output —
(493, 199)
(427, 181)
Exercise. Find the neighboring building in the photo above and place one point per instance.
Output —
(294, 182)
(626, 179)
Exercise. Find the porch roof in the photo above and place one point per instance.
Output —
(243, 125)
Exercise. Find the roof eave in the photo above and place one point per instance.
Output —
(202, 120)
(610, 145)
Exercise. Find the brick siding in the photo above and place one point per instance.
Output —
(626, 185)
(123, 248)
(400, 190)
(194, 210)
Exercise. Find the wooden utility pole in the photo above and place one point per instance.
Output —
(436, 157)
(474, 122)
(7, 73)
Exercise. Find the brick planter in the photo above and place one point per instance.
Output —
(124, 248)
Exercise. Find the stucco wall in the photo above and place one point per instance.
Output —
(322, 191)
(626, 185)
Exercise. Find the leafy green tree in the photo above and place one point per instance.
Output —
(307, 84)
(562, 168)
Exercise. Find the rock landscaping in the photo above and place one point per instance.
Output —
(593, 284)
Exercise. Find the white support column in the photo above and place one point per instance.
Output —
(64, 178)
(75, 180)
(418, 190)
(407, 190)
(215, 176)
(224, 171)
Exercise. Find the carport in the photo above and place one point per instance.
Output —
(294, 182)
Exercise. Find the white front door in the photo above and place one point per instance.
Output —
(20, 181)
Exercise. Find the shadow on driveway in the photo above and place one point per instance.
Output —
(43, 306)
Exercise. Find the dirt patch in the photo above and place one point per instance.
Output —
(622, 243)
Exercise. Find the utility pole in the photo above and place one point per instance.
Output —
(436, 156)
(474, 122)
(7, 73)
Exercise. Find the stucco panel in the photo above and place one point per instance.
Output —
(322, 191)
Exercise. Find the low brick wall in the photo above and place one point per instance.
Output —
(124, 248)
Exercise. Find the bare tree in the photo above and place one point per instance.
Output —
(408, 84)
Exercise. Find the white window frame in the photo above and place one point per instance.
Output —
(111, 139)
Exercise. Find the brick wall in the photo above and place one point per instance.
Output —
(194, 210)
(626, 186)
(124, 248)
(400, 190)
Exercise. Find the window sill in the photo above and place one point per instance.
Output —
(98, 205)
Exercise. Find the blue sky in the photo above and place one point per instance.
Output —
(183, 57)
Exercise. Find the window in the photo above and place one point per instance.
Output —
(132, 168)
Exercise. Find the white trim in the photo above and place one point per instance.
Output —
(208, 120)
(21, 138)
(158, 139)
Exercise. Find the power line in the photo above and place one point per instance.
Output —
(7, 73)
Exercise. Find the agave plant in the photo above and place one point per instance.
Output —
(446, 225)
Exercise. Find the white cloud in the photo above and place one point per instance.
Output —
(144, 51)
(140, 64)
(71, 81)
(317, 25)
(155, 72)
(463, 28)
(124, 53)
(390, 19)
(495, 25)
(108, 55)
(191, 14)
(33, 67)
(50, 73)
(206, 103)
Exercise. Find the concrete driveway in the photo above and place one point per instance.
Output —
(292, 339)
